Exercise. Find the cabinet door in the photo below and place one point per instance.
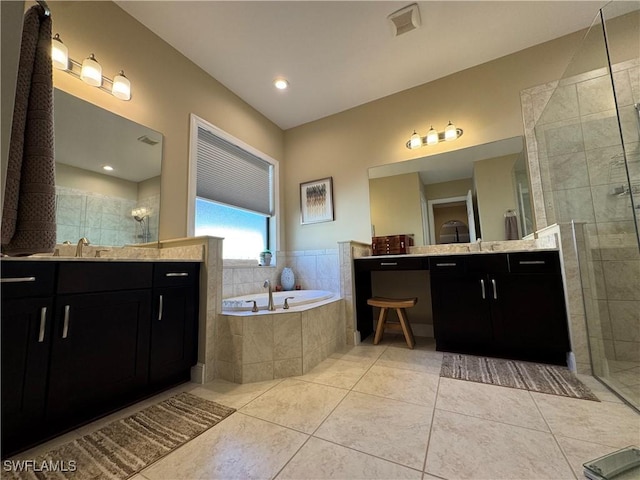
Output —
(173, 335)
(531, 317)
(99, 357)
(26, 337)
(461, 311)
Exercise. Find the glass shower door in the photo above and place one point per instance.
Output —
(588, 141)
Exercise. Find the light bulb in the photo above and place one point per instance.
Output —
(415, 141)
(121, 87)
(91, 72)
(59, 53)
(450, 132)
(281, 83)
(432, 136)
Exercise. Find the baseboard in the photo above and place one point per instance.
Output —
(197, 373)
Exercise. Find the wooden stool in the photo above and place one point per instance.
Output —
(399, 304)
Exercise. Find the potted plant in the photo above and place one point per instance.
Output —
(265, 258)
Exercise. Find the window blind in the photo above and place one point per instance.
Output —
(230, 175)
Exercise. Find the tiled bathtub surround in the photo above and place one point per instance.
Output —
(313, 270)
(348, 251)
(268, 345)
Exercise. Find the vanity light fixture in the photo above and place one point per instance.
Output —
(59, 53)
(451, 132)
(121, 87)
(89, 71)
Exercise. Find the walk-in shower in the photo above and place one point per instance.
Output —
(587, 140)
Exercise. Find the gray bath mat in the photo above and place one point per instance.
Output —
(536, 377)
(124, 447)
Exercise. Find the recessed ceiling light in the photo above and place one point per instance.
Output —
(281, 83)
(108, 168)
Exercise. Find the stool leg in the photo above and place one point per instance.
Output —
(406, 327)
(380, 328)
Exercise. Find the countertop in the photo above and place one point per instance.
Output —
(94, 259)
(448, 253)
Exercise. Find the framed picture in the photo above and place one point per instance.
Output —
(316, 201)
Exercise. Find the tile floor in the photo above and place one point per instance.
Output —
(625, 377)
(383, 412)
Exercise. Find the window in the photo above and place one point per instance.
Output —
(232, 192)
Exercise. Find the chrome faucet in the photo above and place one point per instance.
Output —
(83, 242)
(271, 307)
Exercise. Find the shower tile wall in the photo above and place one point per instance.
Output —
(583, 179)
(103, 220)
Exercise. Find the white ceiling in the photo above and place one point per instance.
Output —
(337, 55)
(89, 137)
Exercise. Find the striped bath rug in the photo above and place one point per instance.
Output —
(536, 377)
(124, 447)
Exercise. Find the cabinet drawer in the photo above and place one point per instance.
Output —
(390, 263)
(534, 262)
(87, 277)
(447, 264)
(175, 274)
(27, 279)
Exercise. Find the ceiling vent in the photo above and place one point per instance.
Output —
(405, 19)
(147, 140)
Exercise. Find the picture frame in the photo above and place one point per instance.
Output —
(316, 201)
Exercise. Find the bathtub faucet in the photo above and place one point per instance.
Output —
(271, 307)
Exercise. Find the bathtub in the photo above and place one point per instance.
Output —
(254, 347)
(300, 298)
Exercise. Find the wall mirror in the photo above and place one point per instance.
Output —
(471, 189)
(107, 175)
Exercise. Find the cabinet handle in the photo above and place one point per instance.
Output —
(176, 274)
(160, 309)
(18, 280)
(388, 264)
(446, 264)
(532, 262)
(484, 296)
(495, 290)
(43, 324)
(65, 326)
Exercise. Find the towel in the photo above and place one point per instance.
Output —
(29, 214)
(511, 227)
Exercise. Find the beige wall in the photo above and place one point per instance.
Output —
(495, 193)
(11, 32)
(166, 88)
(454, 188)
(149, 187)
(483, 100)
(396, 206)
(72, 177)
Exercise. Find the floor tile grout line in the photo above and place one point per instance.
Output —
(333, 442)
(564, 455)
(502, 422)
(292, 457)
(433, 416)
(342, 399)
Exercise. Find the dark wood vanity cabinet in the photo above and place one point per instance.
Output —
(81, 341)
(27, 310)
(103, 339)
(509, 305)
(461, 288)
(173, 326)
